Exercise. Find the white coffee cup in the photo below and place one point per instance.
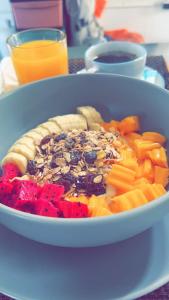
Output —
(133, 68)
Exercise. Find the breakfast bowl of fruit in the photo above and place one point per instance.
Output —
(84, 159)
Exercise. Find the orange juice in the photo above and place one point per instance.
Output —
(39, 59)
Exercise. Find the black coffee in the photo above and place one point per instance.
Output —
(115, 57)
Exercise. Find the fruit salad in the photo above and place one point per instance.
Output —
(78, 166)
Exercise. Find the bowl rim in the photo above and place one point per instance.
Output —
(87, 75)
(122, 215)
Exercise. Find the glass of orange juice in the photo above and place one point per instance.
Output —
(38, 53)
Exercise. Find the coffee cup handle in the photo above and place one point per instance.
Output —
(90, 70)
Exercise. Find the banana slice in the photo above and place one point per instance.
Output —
(95, 126)
(25, 141)
(24, 150)
(90, 113)
(72, 121)
(51, 126)
(42, 131)
(17, 159)
(34, 135)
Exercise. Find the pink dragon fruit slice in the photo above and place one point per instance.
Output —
(26, 206)
(24, 191)
(73, 209)
(65, 208)
(7, 200)
(51, 192)
(46, 208)
(79, 210)
(10, 171)
(6, 189)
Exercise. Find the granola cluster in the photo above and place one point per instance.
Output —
(77, 159)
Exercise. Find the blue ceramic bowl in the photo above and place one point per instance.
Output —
(115, 97)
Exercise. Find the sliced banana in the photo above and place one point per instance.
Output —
(34, 135)
(90, 113)
(72, 121)
(24, 150)
(42, 131)
(51, 126)
(29, 142)
(95, 126)
(17, 159)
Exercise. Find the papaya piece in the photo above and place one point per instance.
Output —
(98, 206)
(120, 203)
(158, 157)
(140, 181)
(127, 201)
(154, 136)
(152, 191)
(106, 126)
(95, 201)
(161, 175)
(140, 169)
(130, 137)
(136, 197)
(130, 163)
(160, 190)
(114, 124)
(142, 147)
(129, 124)
(121, 178)
(100, 212)
(110, 126)
(149, 191)
(128, 159)
(148, 169)
(81, 198)
(126, 153)
(145, 170)
(122, 173)
(119, 185)
(133, 136)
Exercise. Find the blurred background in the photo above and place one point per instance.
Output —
(87, 22)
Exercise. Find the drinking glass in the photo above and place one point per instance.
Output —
(38, 54)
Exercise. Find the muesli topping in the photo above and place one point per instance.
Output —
(78, 159)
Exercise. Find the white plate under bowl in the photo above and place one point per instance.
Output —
(153, 76)
(123, 271)
(10, 82)
(149, 75)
